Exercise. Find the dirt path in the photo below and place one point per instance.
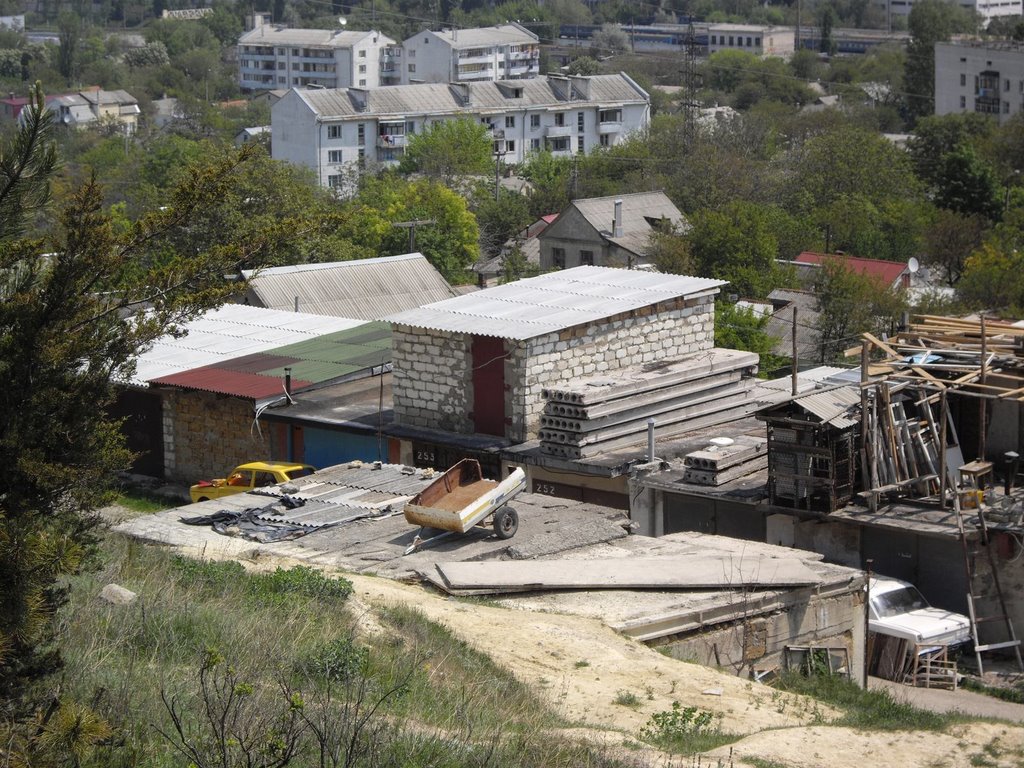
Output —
(548, 650)
(939, 700)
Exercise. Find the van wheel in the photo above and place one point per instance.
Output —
(506, 523)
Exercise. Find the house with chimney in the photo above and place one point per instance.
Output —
(608, 231)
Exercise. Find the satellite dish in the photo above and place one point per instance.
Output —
(913, 265)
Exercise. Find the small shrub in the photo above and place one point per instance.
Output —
(337, 662)
(626, 699)
(581, 664)
(208, 575)
(300, 580)
(685, 730)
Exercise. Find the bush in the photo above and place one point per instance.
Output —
(337, 662)
(685, 730)
(218, 576)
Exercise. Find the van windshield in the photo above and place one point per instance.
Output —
(898, 601)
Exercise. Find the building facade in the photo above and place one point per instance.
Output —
(756, 39)
(504, 52)
(979, 77)
(986, 9)
(334, 132)
(272, 56)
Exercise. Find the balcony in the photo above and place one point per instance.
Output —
(524, 56)
(391, 141)
(558, 131)
(481, 58)
(612, 126)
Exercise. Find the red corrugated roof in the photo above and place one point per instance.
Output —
(223, 381)
(549, 218)
(887, 272)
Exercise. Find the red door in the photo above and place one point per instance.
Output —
(489, 385)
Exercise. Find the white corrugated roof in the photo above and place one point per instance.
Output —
(272, 35)
(832, 406)
(231, 331)
(552, 302)
(479, 37)
(367, 289)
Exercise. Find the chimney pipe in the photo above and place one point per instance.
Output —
(650, 440)
(617, 222)
(288, 382)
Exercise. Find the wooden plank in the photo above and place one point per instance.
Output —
(893, 353)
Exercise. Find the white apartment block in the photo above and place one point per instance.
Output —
(504, 52)
(756, 39)
(985, 77)
(334, 131)
(271, 57)
(986, 9)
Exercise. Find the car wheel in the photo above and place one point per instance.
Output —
(506, 523)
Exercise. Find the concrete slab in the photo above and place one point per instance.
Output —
(684, 572)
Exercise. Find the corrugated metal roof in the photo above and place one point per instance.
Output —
(637, 211)
(443, 98)
(540, 305)
(367, 289)
(231, 331)
(832, 406)
(886, 272)
(312, 361)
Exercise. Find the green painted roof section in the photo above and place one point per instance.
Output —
(338, 354)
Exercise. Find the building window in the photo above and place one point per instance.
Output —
(361, 134)
(412, 68)
(362, 54)
(362, 69)
(714, 39)
(757, 41)
(281, 65)
(1006, 107)
(282, 80)
(334, 181)
(426, 40)
(535, 145)
(559, 119)
(281, 52)
(362, 157)
(606, 139)
(610, 115)
(333, 131)
(510, 121)
(334, 156)
(560, 144)
(295, 51)
(535, 119)
(558, 257)
(963, 102)
(410, 127)
(579, 122)
(587, 258)
(412, 53)
(579, 144)
(362, 83)
(1006, 85)
(963, 79)
(510, 146)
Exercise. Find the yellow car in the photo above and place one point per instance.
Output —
(245, 477)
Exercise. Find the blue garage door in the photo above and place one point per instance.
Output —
(324, 447)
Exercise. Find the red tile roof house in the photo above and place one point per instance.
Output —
(891, 274)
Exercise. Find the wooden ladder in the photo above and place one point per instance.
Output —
(1003, 615)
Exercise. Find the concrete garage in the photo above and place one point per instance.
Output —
(753, 602)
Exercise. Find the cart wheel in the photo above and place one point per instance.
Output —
(506, 523)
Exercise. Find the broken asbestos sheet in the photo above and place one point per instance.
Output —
(681, 572)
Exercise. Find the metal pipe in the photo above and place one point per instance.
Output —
(288, 382)
(650, 440)
(1012, 464)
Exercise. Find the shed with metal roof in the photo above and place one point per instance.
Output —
(367, 289)
(480, 363)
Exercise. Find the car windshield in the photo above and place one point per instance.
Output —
(898, 601)
(301, 472)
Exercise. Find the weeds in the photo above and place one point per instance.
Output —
(301, 581)
(685, 730)
(626, 699)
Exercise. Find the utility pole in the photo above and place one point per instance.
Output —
(796, 365)
(498, 157)
(411, 226)
(690, 88)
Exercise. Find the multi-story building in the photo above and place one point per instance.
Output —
(985, 77)
(504, 52)
(986, 9)
(756, 39)
(327, 130)
(271, 57)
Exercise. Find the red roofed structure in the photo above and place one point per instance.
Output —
(891, 274)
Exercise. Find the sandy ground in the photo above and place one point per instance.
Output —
(582, 666)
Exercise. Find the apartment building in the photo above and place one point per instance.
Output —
(332, 131)
(505, 52)
(974, 76)
(986, 9)
(271, 56)
(756, 39)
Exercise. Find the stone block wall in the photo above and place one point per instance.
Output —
(433, 370)
(432, 379)
(658, 332)
(206, 435)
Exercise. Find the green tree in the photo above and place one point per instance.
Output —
(500, 218)
(950, 239)
(967, 185)
(584, 65)
(828, 20)
(993, 279)
(70, 32)
(736, 244)
(448, 150)
(550, 178)
(75, 309)
(930, 22)
(740, 328)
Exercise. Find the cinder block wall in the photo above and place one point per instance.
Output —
(433, 378)
(659, 332)
(206, 435)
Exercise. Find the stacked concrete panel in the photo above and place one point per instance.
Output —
(719, 464)
(609, 411)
